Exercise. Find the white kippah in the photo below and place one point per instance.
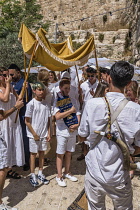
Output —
(108, 67)
(65, 74)
(92, 66)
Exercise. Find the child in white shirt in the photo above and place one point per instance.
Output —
(65, 130)
(37, 119)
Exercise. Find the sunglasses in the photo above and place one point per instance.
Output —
(90, 75)
(11, 75)
(4, 75)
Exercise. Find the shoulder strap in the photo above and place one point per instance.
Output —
(115, 114)
(113, 119)
(98, 90)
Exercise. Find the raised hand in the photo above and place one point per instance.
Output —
(19, 103)
(8, 79)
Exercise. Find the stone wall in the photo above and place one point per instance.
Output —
(120, 30)
(133, 18)
(60, 11)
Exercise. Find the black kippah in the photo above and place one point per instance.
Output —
(14, 66)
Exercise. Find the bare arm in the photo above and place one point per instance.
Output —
(62, 115)
(5, 96)
(49, 131)
(75, 126)
(5, 114)
(28, 124)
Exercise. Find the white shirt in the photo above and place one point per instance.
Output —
(73, 75)
(86, 87)
(61, 128)
(39, 112)
(105, 161)
(73, 94)
(51, 87)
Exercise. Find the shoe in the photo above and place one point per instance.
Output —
(43, 179)
(46, 161)
(70, 177)
(5, 207)
(13, 175)
(26, 167)
(33, 181)
(61, 182)
(81, 157)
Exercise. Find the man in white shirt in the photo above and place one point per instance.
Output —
(90, 85)
(105, 174)
(88, 89)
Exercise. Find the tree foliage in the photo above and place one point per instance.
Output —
(12, 14)
(15, 12)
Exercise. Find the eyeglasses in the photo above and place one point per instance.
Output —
(4, 75)
(91, 75)
(11, 75)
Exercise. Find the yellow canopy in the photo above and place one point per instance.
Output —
(28, 40)
(56, 57)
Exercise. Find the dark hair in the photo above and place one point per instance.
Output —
(55, 77)
(91, 70)
(104, 70)
(3, 69)
(121, 73)
(64, 82)
(14, 66)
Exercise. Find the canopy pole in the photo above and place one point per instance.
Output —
(26, 78)
(79, 89)
(97, 67)
(77, 75)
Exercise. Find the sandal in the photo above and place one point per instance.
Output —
(13, 174)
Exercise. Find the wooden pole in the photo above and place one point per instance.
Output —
(97, 67)
(77, 75)
(26, 78)
(80, 93)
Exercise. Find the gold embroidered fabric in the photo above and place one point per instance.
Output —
(56, 57)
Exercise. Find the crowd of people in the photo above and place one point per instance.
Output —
(62, 105)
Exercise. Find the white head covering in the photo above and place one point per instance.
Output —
(108, 67)
(92, 66)
(65, 74)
